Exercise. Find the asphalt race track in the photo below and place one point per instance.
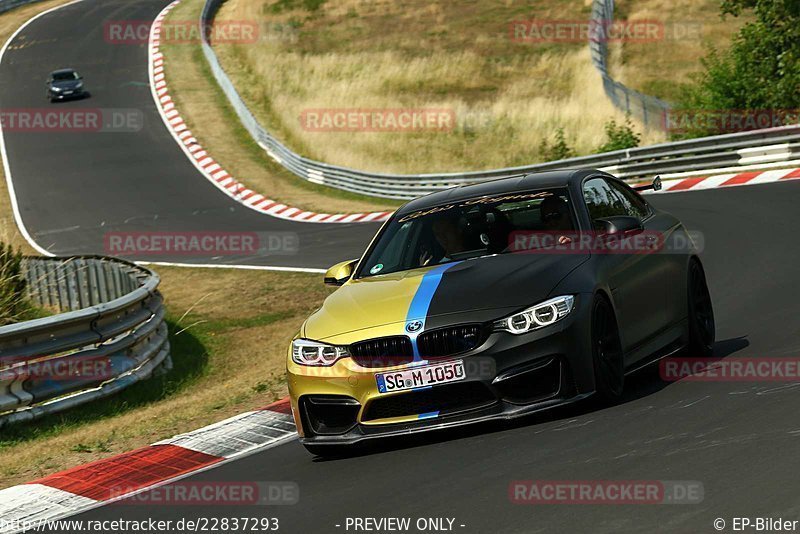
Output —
(740, 440)
(75, 187)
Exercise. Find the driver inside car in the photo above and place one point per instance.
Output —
(554, 213)
(450, 238)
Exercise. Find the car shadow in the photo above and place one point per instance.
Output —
(639, 384)
(84, 96)
(648, 380)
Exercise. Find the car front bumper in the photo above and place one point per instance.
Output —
(507, 376)
(63, 95)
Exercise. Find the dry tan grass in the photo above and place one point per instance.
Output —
(416, 53)
(205, 110)
(506, 96)
(245, 370)
(659, 68)
(508, 129)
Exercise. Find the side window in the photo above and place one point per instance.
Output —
(601, 200)
(634, 205)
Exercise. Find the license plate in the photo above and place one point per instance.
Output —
(67, 92)
(429, 375)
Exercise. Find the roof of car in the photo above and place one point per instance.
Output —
(539, 180)
(62, 71)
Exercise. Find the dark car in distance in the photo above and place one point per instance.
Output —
(64, 84)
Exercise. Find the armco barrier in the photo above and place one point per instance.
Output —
(110, 334)
(650, 110)
(759, 149)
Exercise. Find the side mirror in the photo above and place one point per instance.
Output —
(340, 273)
(655, 186)
(619, 225)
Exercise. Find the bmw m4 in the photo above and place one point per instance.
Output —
(496, 300)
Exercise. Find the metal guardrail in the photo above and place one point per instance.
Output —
(7, 5)
(695, 155)
(110, 334)
(650, 110)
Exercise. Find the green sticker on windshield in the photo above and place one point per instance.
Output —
(375, 270)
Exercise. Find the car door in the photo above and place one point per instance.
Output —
(632, 276)
(668, 267)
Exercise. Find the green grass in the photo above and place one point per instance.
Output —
(226, 325)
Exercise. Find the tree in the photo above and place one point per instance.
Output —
(761, 69)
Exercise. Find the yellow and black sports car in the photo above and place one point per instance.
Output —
(496, 300)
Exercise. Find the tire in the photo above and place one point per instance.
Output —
(607, 354)
(702, 328)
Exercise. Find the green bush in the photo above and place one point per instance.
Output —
(558, 150)
(13, 304)
(619, 136)
(761, 69)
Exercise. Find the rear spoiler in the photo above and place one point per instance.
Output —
(655, 186)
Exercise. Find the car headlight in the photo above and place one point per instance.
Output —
(56, 89)
(539, 316)
(79, 86)
(314, 353)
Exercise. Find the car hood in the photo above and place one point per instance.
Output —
(478, 290)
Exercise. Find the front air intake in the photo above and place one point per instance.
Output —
(449, 341)
(382, 352)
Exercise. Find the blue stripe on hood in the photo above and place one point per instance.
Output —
(418, 310)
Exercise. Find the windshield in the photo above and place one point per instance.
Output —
(467, 229)
(65, 76)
